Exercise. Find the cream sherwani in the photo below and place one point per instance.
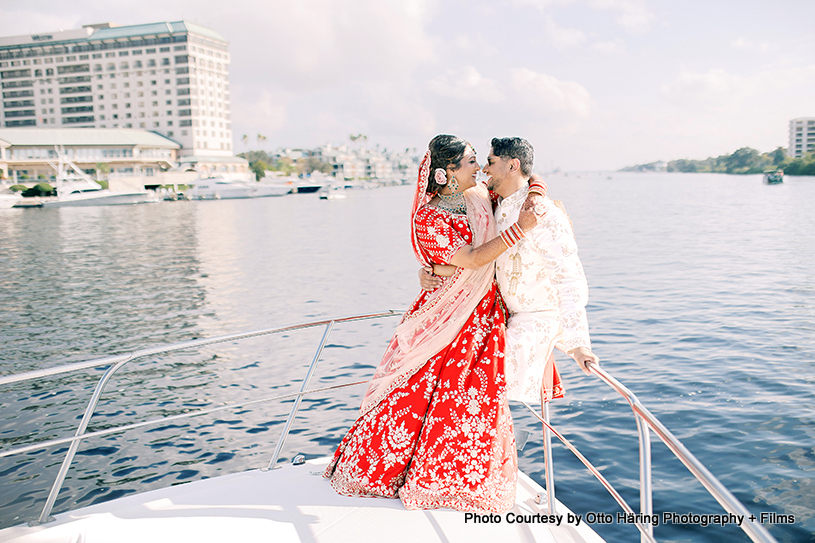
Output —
(543, 284)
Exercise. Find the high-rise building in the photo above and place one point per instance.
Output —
(169, 78)
(802, 137)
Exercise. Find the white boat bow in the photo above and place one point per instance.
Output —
(295, 504)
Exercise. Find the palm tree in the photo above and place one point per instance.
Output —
(245, 139)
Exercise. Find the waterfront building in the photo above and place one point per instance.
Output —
(30, 153)
(363, 163)
(801, 137)
(171, 78)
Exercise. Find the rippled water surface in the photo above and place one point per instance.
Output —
(702, 303)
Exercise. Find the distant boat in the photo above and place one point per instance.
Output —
(774, 177)
(335, 192)
(219, 188)
(76, 188)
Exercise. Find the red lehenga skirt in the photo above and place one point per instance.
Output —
(442, 437)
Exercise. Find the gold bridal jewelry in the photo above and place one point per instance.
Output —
(454, 203)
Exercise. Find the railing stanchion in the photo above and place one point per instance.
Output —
(69, 458)
(547, 452)
(299, 398)
(646, 500)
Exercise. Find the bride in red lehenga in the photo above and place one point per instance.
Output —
(434, 427)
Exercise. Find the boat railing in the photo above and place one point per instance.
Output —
(644, 419)
(646, 422)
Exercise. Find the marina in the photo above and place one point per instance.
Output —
(715, 338)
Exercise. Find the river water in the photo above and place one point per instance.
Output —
(702, 302)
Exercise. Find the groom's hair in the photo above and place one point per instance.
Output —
(515, 148)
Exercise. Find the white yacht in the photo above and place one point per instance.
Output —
(220, 188)
(294, 503)
(76, 188)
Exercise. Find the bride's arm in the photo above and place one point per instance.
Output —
(475, 257)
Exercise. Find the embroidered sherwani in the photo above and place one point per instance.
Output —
(544, 287)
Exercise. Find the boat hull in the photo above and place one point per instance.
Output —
(227, 192)
(110, 199)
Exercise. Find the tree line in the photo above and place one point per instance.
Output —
(743, 161)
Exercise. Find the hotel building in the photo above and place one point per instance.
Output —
(802, 137)
(169, 78)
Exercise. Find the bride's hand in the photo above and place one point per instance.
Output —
(527, 219)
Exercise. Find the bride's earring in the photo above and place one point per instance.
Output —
(453, 184)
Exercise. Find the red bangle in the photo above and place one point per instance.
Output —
(538, 187)
(512, 235)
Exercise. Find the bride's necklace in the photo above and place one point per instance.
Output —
(454, 203)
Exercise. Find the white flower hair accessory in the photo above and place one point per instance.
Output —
(440, 176)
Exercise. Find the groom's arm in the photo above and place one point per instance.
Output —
(566, 271)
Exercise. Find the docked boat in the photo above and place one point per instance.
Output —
(220, 188)
(75, 188)
(774, 177)
(293, 503)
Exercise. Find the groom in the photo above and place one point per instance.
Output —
(541, 280)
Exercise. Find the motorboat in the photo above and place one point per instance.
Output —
(334, 192)
(76, 188)
(220, 188)
(774, 177)
(293, 503)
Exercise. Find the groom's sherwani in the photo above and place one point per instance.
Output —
(543, 284)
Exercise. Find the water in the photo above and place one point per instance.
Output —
(702, 303)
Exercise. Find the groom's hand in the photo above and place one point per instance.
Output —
(583, 355)
(429, 282)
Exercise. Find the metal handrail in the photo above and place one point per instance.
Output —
(646, 420)
(296, 406)
(118, 429)
(647, 534)
(119, 361)
(108, 360)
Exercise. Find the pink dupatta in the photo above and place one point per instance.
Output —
(436, 324)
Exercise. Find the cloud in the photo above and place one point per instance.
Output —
(752, 45)
(714, 88)
(562, 37)
(263, 108)
(632, 14)
(609, 47)
(543, 4)
(29, 20)
(466, 84)
(312, 44)
(546, 96)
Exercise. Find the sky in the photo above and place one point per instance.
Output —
(592, 84)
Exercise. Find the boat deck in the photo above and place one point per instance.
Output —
(292, 503)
